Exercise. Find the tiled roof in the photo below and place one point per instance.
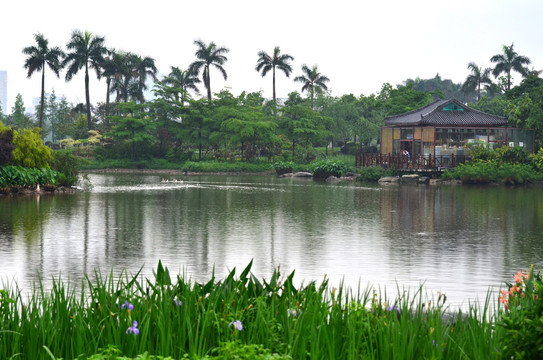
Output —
(434, 115)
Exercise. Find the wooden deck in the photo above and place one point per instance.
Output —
(411, 163)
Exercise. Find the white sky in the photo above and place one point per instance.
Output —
(359, 45)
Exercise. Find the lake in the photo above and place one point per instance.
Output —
(459, 240)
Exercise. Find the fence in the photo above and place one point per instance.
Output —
(417, 162)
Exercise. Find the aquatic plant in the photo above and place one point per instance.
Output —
(243, 317)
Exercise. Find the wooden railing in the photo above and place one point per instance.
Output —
(417, 162)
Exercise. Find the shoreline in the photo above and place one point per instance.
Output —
(173, 172)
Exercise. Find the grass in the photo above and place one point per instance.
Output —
(193, 166)
(183, 319)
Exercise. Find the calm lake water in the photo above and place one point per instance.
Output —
(459, 240)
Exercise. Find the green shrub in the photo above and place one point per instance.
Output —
(283, 167)
(512, 155)
(537, 159)
(484, 172)
(481, 153)
(349, 148)
(503, 155)
(29, 149)
(6, 145)
(68, 165)
(322, 169)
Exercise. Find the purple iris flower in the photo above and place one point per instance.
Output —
(237, 324)
(133, 329)
(127, 304)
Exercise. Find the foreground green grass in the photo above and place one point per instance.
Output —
(239, 318)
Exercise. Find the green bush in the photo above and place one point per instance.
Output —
(283, 167)
(512, 155)
(503, 155)
(349, 148)
(6, 145)
(68, 165)
(30, 152)
(537, 159)
(322, 169)
(481, 153)
(483, 172)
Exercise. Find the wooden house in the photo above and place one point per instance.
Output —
(442, 134)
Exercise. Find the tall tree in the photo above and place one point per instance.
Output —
(116, 68)
(508, 61)
(181, 81)
(109, 70)
(125, 81)
(313, 81)
(18, 118)
(39, 56)
(474, 80)
(208, 55)
(86, 50)
(265, 63)
(143, 67)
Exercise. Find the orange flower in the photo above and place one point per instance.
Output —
(519, 276)
(503, 297)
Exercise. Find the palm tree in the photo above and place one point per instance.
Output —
(313, 80)
(266, 63)
(474, 80)
(182, 80)
(111, 69)
(208, 55)
(87, 50)
(143, 67)
(509, 60)
(120, 72)
(39, 56)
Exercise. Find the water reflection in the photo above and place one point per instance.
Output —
(459, 240)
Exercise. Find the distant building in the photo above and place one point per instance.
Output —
(442, 134)
(4, 91)
(31, 110)
(448, 127)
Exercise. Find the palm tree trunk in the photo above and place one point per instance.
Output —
(274, 100)
(208, 85)
(108, 82)
(87, 98)
(42, 95)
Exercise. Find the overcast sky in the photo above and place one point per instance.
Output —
(359, 45)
